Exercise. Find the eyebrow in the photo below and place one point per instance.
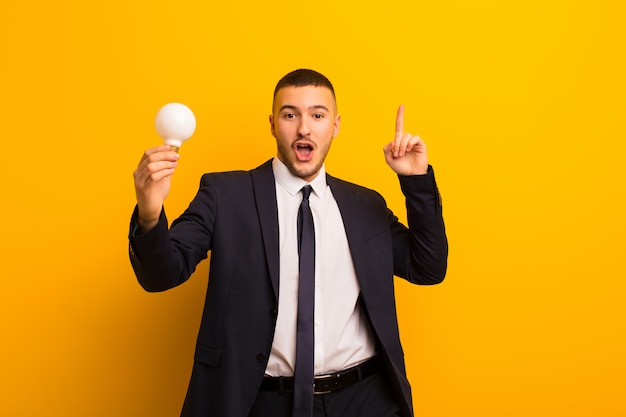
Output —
(315, 107)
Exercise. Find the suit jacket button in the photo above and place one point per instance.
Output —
(260, 358)
(274, 313)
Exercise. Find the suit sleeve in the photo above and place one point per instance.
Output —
(420, 252)
(164, 258)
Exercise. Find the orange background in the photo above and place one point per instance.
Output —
(522, 105)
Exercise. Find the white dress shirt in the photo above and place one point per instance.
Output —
(343, 337)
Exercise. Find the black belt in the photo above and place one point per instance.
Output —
(323, 384)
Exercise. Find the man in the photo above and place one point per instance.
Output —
(252, 222)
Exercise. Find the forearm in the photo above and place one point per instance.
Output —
(421, 251)
(159, 262)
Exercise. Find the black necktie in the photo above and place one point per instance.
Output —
(303, 373)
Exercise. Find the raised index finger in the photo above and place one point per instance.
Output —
(400, 119)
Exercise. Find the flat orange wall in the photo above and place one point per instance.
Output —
(522, 105)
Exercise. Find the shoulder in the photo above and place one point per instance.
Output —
(351, 193)
(340, 185)
(235, 178)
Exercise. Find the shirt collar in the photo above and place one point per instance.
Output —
(293, 184)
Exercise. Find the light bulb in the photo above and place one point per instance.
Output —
(175, 123)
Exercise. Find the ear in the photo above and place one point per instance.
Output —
(272, 125)
(336, 126)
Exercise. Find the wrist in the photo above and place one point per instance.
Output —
(147, 221)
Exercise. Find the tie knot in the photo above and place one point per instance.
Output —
(306, 192)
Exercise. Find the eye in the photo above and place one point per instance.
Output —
(289, 115)
(318, 116)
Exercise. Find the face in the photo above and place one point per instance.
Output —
(304, 122)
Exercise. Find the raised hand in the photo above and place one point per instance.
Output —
(406, 154)
(152, 183)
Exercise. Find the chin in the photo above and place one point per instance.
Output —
(304, 171)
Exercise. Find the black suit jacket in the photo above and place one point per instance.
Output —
(234, 215)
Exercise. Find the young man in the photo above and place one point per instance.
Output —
(250, 351)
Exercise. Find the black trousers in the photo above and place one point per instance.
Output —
(371, 397)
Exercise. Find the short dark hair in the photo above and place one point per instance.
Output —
(304, 77)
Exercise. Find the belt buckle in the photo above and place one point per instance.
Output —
(326, 377)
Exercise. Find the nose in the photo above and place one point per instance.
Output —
(303, 128)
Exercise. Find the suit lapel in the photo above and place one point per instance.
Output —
(354, 225)
(265, 195)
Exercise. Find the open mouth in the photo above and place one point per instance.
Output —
(304, 151)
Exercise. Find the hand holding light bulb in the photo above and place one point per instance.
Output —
(175, 123)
